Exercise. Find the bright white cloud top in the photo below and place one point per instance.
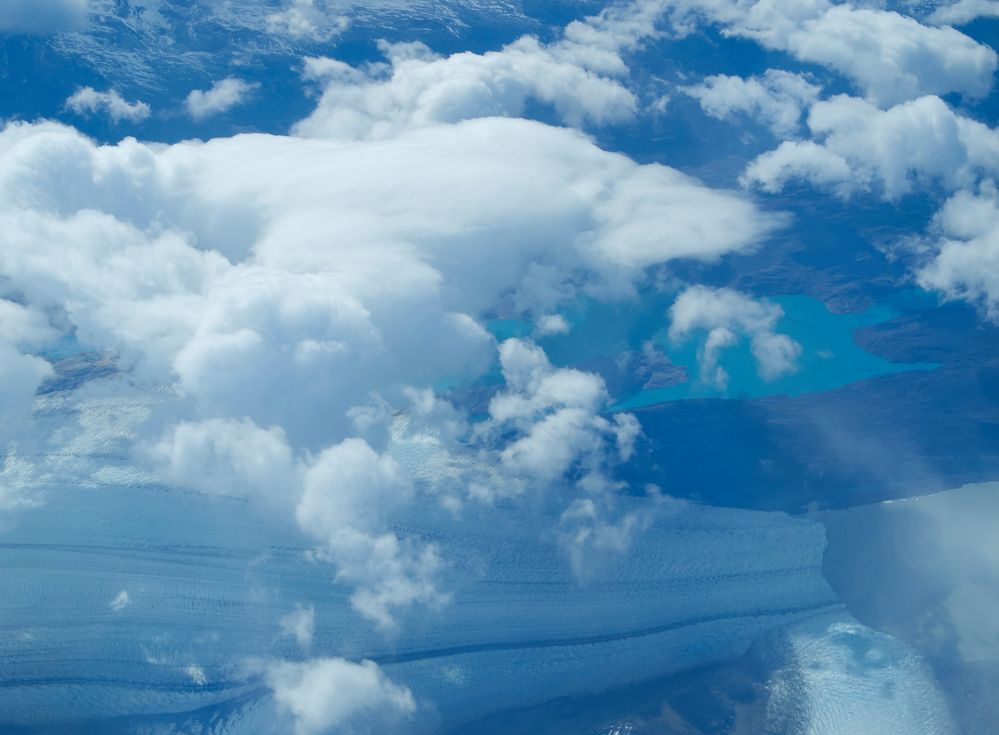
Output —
(220, 97)
(88, 101)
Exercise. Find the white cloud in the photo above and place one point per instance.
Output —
(332, 694)
(349, 484)
(120, 601)
(863, 148)
(551, 324)
(776, 99)
(88, 101)
(24, 327)
(221, 97)
(594, 539)
(348, 489)
(228, 457)
(964, 260)
(554, 413)
(315, 20)
(727, 315)
(42, 16)
(234, 266)
(20, 377)
(890, 57)
(418, 88)
(963, 11)
(300, 624)
(342, 498)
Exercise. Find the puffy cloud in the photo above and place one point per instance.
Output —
(300, 624)
(577, 75)
(863, 148)
(963, 262)
(315, 20)
(221, 97)
(20, 377)
(348, 489)
(776, 99)
(342, 499)
(349, 484)
(963, 11)
(890, 57)
(24, 327)
(418, 88)
(332, 694)
(554, 414)
(88, 101)
(549, 324)
(42, 16)
(727, 315)
(238, 266)
(228, 457)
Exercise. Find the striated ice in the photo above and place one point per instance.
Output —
(128, 599)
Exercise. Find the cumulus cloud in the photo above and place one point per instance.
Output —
(579, 75)
(42, 16)
(776, 99)
(348, 489)
(300, 624)
(228, 457)
(20, 377)
(963, 260)
(24, 327)
(549, 324)
(963, 11)
(221, 97)
(890, 57)
(332, 694)
(341, 499)
(88, 101)
(554, 413)
(314, 20)
(238, 265)
(419, 88)
(727, 316)
(860, 147)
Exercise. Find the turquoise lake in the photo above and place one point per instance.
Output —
(830, 356)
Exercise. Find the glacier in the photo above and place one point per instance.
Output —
(130, 602)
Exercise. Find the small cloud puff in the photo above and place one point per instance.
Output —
(313, 20)
(333, 694)
(726, 315)
(221, 97)
(88, 101)
(776, 99)
(300, 624)
(120, 601)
